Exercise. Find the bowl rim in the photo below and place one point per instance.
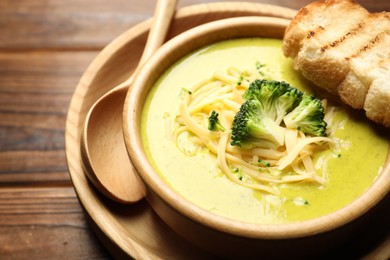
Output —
(131, 130)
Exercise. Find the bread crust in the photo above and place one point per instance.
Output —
(343, 48)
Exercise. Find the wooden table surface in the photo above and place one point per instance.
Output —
(45, 46)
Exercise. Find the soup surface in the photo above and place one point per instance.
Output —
(198, 178)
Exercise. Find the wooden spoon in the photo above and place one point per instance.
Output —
(103, 149)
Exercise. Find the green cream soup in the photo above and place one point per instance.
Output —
(198, 178)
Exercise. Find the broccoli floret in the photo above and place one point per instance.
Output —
(307, 117)
(287, 102)
(267, 104)
(214, 124)
(259, 118)
(252, 125)
(277, 97)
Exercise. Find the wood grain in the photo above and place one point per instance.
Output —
(44, 223)
(35, 91)
(45, 47)
(72, 24)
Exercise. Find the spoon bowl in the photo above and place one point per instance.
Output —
(103, 150)
(116, 181)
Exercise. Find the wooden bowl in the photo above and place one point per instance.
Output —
(136, 231)
(207, 230)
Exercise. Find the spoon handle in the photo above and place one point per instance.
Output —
(162, 18)
(159, 29)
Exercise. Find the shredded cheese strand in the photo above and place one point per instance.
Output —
(285, 161)
(258, 168)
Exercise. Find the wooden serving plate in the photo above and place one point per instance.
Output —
(135, 231)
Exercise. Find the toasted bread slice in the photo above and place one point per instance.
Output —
(377, 103)
(365, 67)
(314, 19)
(341, 47)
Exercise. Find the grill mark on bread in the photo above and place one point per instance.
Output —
(349, 34)
(371, 43)
(314, 32)
(344, 59)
